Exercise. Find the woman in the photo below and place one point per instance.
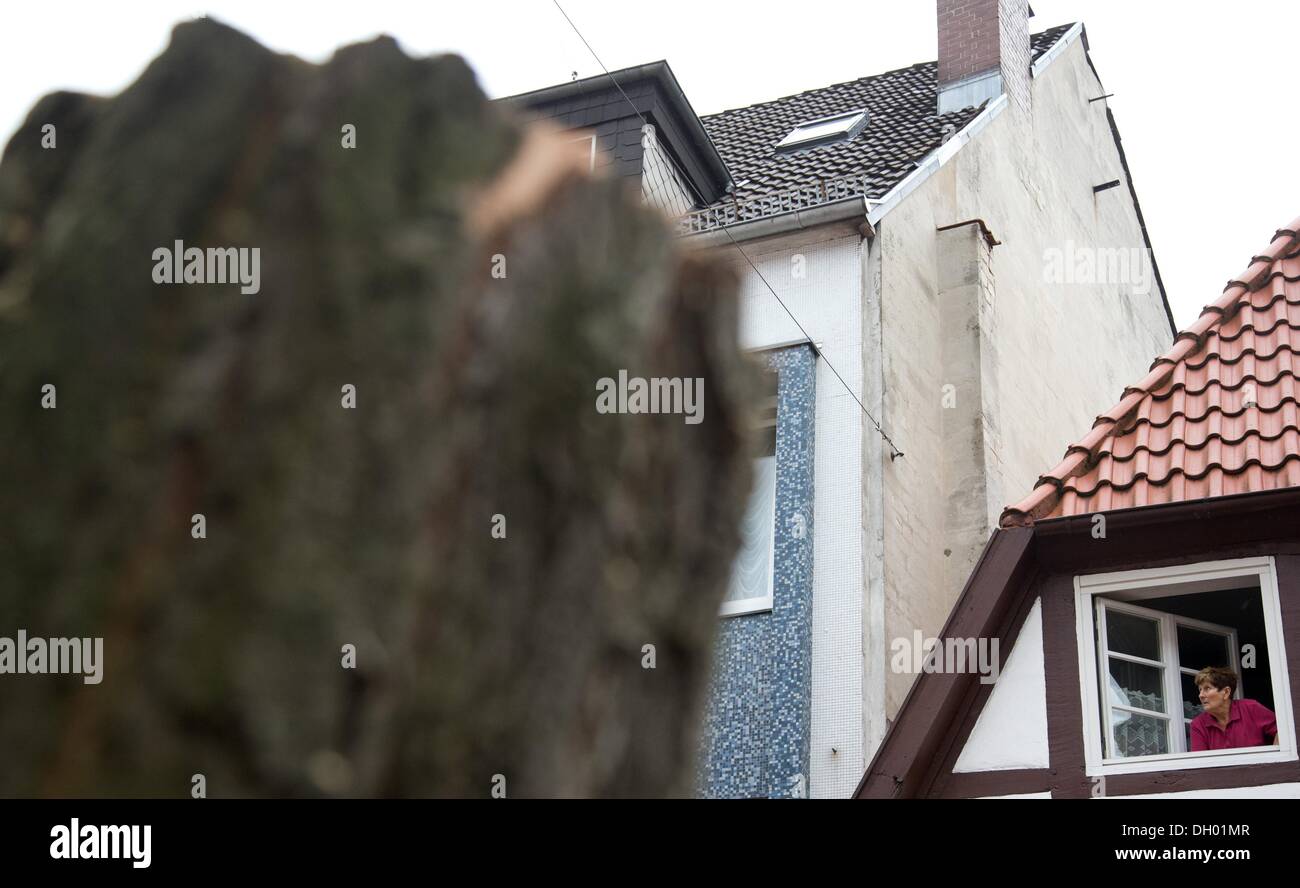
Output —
(1227, 723)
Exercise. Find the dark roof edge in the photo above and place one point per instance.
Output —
(1128, 178)
(1165, 513)
(1142, 222)
(658, 71)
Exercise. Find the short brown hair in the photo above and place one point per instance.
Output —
(1217, 677)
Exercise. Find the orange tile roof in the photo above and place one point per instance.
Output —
(1218, 414)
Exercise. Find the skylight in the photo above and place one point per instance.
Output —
(823, 130)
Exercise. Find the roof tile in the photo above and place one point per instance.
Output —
(901, 130)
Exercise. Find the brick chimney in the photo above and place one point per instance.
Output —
(983, 52)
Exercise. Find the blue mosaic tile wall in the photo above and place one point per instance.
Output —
(755, 738)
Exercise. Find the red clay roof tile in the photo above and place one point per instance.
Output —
(1218, 414)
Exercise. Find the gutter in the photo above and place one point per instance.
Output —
(1167, 513)
(935, 160)
(856, 207)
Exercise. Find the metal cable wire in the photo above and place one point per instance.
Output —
(896, 453)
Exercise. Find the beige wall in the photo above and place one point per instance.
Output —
(1032, 358)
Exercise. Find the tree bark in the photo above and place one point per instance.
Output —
(482, 663)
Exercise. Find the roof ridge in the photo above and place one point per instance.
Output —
(816, 89)
(1084, 454)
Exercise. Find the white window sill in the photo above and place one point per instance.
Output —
(1216, 758)
(745, 606)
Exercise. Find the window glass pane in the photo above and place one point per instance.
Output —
(766, 417)
(807, 132)
(1138, 734)
(1198, 649)
(751, 573)
(1136, 684)
(1191, 698)
(1127, 634)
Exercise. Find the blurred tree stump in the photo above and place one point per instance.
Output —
(480, 662)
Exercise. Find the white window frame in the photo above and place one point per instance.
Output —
(1145, 585)
(741, 606)
(854, 122)
(1169, 664)
(591, 138)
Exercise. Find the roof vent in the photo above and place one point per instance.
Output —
(837, 128)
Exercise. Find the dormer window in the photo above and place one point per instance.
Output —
(839, 128)
(1144, 635)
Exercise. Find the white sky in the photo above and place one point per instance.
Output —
(1201, 89)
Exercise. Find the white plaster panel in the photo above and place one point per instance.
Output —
(1011, 731)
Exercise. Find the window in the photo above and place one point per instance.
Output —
(1150, 660)
(752, 573)
(1143, 637)
(823, 130)
(588, 141)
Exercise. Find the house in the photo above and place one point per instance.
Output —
(908, 243)
(1167, 540)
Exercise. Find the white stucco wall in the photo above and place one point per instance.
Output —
(827, 300)
(1049, 355)
(899, 317)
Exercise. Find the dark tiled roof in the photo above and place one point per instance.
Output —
(903, 128)
(1218, 414)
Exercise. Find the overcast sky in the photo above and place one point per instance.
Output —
(1202, 91)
